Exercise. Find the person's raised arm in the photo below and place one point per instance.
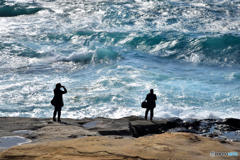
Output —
(65, 90)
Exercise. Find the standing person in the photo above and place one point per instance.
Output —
(151, 104)
(58, 100)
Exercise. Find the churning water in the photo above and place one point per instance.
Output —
(110, 53)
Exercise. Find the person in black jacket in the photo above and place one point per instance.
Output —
(151, 104)
(58, 100)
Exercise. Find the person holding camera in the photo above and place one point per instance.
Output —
(57, 101)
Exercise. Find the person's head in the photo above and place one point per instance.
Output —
(58, 86)
(151, 91)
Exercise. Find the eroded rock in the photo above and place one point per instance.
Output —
(142, 127)
(235, 123)
(161, 146)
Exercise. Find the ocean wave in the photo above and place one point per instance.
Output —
(100, 55)
(220, 49)
(17, 10)
(213, 50)
(217, 50)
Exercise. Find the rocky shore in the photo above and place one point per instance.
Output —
(125, 138)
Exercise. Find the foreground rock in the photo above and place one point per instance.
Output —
(161, 146)
(116, 138)
(18, 130)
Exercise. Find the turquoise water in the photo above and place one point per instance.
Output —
(109, 54)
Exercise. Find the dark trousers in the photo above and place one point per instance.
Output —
(57, 110)
(151, 113)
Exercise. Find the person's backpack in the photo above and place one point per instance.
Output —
(53, 101)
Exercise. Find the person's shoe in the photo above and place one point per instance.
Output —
(59, 120)
(54, 119)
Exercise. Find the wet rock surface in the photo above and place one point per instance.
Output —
(234, 123)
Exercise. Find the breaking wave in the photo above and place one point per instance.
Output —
(17, 10)
(100, 55)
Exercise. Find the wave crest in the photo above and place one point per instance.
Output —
(100, 55)
(17, 10)
(222, 50)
